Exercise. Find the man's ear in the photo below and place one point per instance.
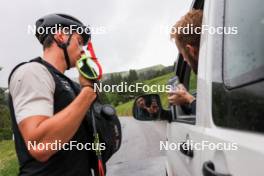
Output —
(193, 51)
(59, 37)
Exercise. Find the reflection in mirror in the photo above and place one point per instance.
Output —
(148, 107)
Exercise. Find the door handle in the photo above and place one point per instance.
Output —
(186, 149)
(209, 170)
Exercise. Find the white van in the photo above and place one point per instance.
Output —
(229, 120)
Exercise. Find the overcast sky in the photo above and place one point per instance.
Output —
(134, 32)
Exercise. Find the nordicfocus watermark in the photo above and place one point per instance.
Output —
(190, 29)
(32, 29)
(203, 145)
(136, 87)
(71, 145)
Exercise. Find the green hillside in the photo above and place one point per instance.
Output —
(139, 71)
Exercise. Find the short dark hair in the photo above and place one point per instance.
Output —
(48, 42)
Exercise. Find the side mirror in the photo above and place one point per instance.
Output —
(148, 107)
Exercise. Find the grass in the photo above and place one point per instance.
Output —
(125, 109)
(193, 83)
(8, 159)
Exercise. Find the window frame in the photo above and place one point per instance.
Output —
(183, 71)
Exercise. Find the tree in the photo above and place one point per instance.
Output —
(2, 97)
(5, 120)
(132, 76)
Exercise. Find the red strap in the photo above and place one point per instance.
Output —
(90, 48)
(100, 167)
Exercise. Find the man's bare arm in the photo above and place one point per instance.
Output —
(62, 126)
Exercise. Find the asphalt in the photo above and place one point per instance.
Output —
(139, 154)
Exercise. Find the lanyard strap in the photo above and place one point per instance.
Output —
(93, 56)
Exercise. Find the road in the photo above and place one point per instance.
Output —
(139, 154)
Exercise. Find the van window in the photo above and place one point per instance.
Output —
(244, 51)
(237, 86)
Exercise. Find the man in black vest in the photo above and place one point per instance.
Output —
(47, 108)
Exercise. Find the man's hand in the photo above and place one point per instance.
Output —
(181, 96)
(84, 82)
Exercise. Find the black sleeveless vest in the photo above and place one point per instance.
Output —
(64, 162)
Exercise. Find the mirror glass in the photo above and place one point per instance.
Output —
(148, 107)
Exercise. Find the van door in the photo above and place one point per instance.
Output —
(234, 126)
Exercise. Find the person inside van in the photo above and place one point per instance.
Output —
(186, 34)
